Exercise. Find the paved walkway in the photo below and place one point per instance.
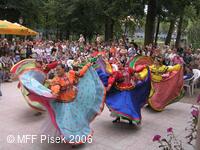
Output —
(18, 118)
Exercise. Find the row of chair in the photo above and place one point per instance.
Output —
(191, 83)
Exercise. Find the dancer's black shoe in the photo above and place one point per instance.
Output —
(130, 122)
(116, 120)
(38, 114)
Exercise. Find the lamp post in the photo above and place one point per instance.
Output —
(5, 15)
(126, 25)
(21, 22)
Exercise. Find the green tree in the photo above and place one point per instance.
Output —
(113, 11)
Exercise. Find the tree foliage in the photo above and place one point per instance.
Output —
(106, 17)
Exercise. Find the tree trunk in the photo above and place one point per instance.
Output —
(170, 32)
(61, 34)
(46, 27)
(150, 22)
(85, 35)
(157, 29)
(67, 34)
(57, 32)
(90, 37)
(109, 24)
(179, 31)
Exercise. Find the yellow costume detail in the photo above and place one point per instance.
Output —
(157, 72)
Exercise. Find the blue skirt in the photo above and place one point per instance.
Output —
(128, 103)
(70, 119)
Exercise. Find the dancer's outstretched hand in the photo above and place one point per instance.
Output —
(108, 87)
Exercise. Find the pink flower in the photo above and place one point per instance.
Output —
(195, 113)
(156, 138)
(170, 130)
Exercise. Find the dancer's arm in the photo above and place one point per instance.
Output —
(111, 80)
(52, 65)
(55, 89)
(83, 70)
(48, 67)
(174, 68)
(55, 86)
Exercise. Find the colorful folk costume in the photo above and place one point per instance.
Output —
(167, 82)
(103, 69)
(140, 60)
(17, 70)
(127, 95)
(29, 64)
(72, 100)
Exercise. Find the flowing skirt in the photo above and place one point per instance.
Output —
(70, 119)
(17, 70)
(128, 103)
(167, 91)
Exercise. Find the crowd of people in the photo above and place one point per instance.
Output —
(79, 51)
